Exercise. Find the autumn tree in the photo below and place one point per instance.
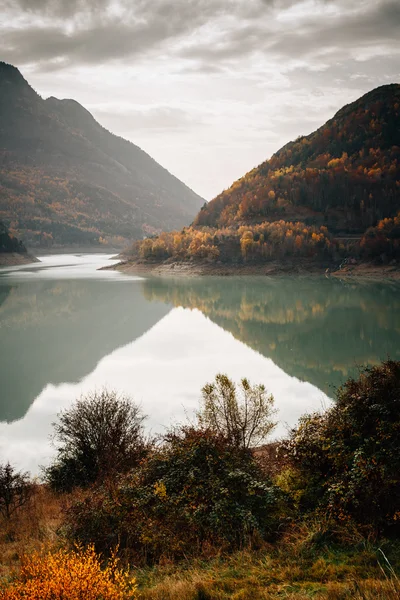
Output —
(101, 434)
(243, 413)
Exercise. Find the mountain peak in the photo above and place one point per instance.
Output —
(12, 83)
(71, 110)
(379, 94)
(10, 74)
(9, 70)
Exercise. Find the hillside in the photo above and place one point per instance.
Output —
(345, 175)
(8, 243)
(64, 179)
(12, 250)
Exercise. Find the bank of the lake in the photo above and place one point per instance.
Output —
(74, 249)
(12, 259)
(270, 268)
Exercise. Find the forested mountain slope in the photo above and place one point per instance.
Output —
(8, 243)
(345, 175)
(12, 250)
(65, 179)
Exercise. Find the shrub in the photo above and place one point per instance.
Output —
(70, 575)
(197, 491)
(349, 457)
(242, 415)
(99, 435)
(15, 490)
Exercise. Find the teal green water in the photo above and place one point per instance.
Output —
(66, 328)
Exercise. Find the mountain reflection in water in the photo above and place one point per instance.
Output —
(56, 332)
(320, 330)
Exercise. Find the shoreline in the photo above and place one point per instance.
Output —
(13, 259)
(76, 250)
(273, 268)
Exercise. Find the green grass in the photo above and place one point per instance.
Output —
(292, 569)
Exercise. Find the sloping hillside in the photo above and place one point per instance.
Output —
(65, 179)
(345, 175)
(12, 250)
(8, 243)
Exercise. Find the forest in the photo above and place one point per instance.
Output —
(268, 241)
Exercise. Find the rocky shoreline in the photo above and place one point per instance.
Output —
(273, 268)
(12, 259)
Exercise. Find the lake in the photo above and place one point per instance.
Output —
(67, 328)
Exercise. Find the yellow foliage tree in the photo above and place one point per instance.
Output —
(70, 575)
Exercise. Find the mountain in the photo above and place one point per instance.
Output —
(345, 175)
(320, 199)
(65, 179)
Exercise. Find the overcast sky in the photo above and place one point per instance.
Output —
(209, 88)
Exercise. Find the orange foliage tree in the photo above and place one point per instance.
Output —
(71, 575)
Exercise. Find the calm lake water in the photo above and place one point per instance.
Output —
(67, 328)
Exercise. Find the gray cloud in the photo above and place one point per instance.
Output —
(94, 31)
(379, 24)
(372, 24)
(97, 31)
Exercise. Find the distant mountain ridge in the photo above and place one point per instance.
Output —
(65, 179)
(345, 175)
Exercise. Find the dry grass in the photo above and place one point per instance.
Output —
(263, 579)
(301, 566)
(33, 527)
(306, 564)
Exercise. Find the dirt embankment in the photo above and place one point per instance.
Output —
(11, 259)
(196, 269)
(287, 267)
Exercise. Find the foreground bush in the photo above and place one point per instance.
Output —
(195, 493)
(348, 458)
(70, 576)
(100, 435)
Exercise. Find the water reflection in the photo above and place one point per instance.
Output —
(164, 370)
(316, 329)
